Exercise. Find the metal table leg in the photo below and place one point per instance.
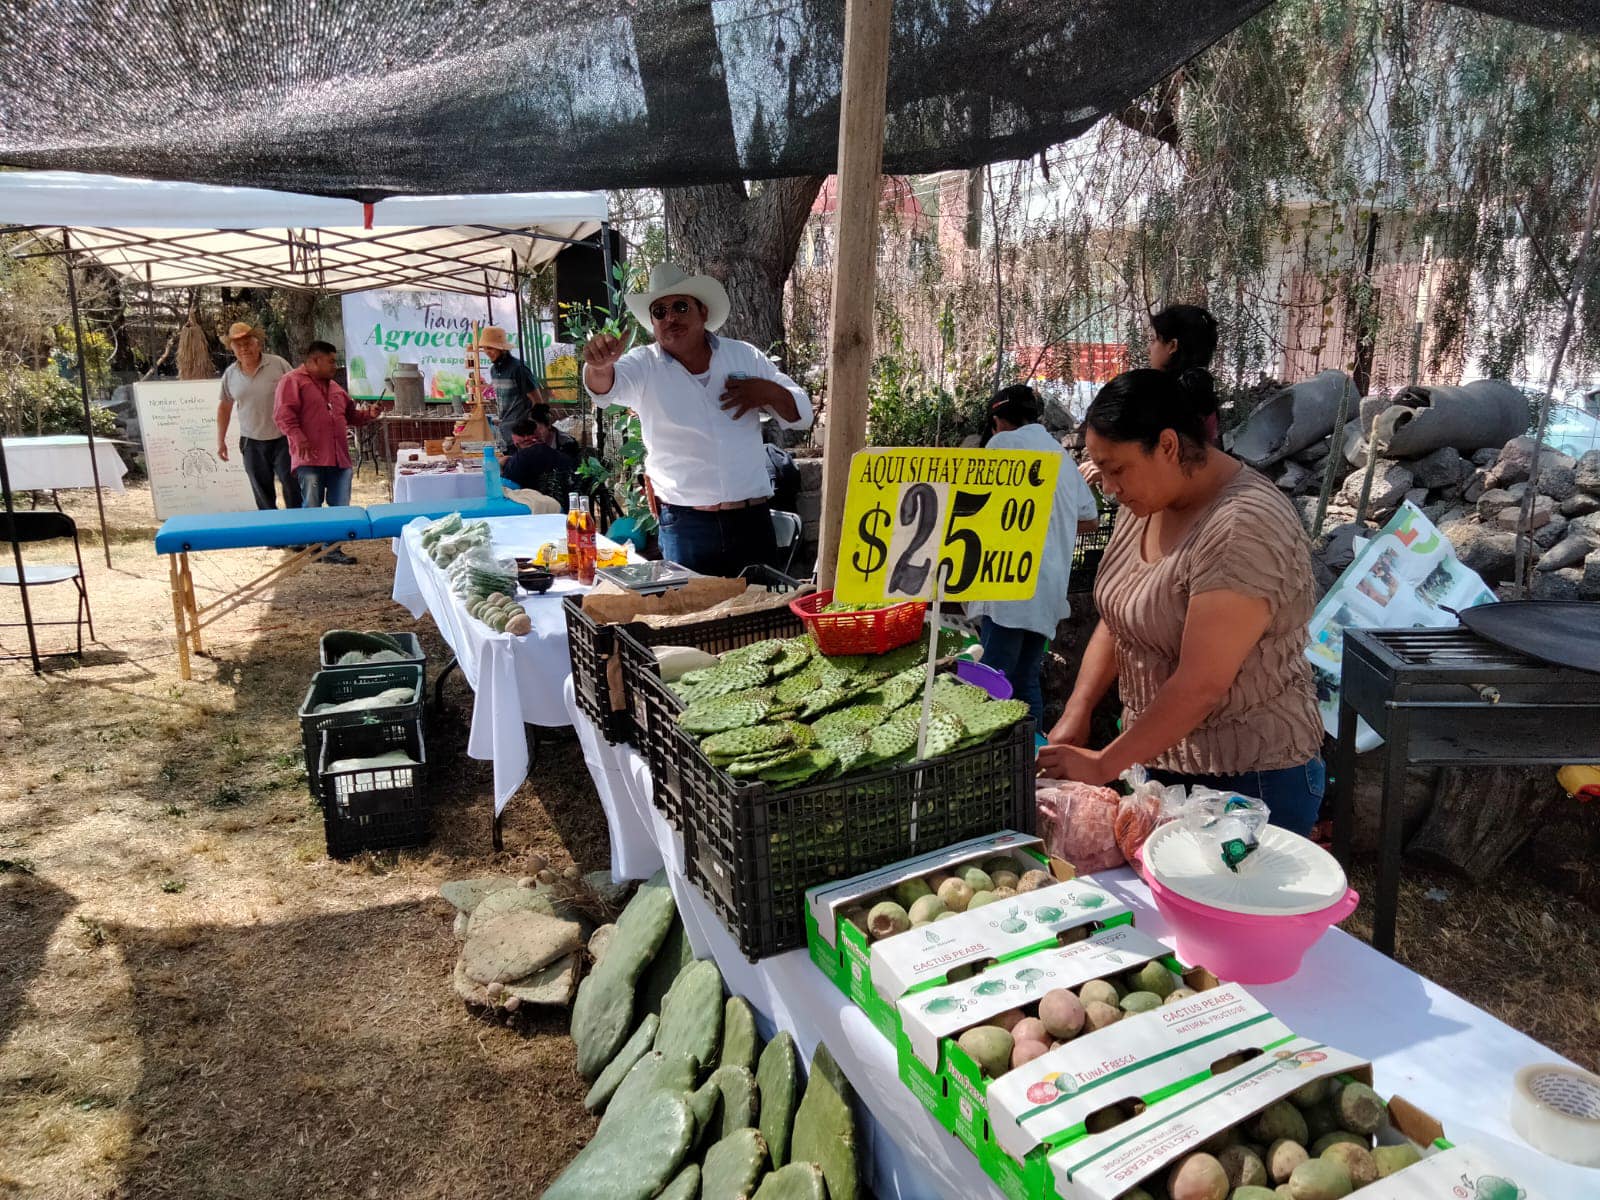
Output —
(438, 684)
(1391, 818)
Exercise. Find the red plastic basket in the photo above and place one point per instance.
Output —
(876, 631)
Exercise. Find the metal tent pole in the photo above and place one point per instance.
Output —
(611, 312)
(16, 558)
(83, 386)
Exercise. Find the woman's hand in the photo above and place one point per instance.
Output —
(1074, 762)
(1071, 730)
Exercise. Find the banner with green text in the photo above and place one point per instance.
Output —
(979, 515)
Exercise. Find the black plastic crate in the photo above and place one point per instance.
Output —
(414, 654)
(753, 850)
(655, 706)
(352, 683)
(595, 652)
(373, 808)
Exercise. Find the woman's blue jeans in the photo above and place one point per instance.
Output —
(1018, 654)
(1292, 794)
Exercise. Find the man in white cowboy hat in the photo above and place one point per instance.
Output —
(249, 385)
(699, 399)
(515, 390)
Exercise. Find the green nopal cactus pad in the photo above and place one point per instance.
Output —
(778, 1086)
(686, 1186)
(603, 1016)
(994, 716)
(740, 1041)
(739, 743)
(654, 1073)
(740, 1097)
(845, 723)
(635, 1048)
(635, 1160)
(797, 1181)
(798, 770)
(675, 954)
(794, 656)
(727, 712)
(825, 1127)
(691, 1014)
(733, 1166)
(797, 687)
(824, 698)
(706, 1103)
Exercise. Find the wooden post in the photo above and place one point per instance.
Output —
(178, 609)
(867, 25)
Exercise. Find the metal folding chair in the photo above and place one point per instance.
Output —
(45, 526)
(786, 531)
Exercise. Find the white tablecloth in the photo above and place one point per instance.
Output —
(1426, 1044)
(61, 461)
(515, 680)
(439, 485)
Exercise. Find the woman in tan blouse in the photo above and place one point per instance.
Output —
(1204, 594)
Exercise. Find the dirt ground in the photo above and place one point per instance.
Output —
(196, 1002)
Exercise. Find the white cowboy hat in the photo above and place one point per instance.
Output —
(669, 279)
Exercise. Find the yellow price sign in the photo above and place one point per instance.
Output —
(977, 516)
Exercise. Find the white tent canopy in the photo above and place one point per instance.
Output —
(190, 235)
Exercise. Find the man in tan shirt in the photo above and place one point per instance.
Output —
(248, 387)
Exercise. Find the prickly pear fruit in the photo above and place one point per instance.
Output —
(1140, 1002)
(937, 880)
(908, 891)
(1178, 993)
(1253, 1193)
(1244, 1167)
(1198, 1177)
(1026, 1052)
(945, 916)
(635, 1048)
(975, 878)
(1007, 1020)
(1152, 977)
(1032, 881)
(1137, 1193)
(925, 910)
(1321, 1120)
(1004, 891)
(732, 1166)
(1360, 1109)
(1320, 1146)
(740, 1041)
(778, 1087)
(1101, 990)
(1320, 1179)
(858, 917)
(989, 1047)
(797, 1181)
(1004, 879)
(1097, 1015)
(887, 919)
(1003, 863)
(1062, 1013)
(979, 899)
(1389, 1159)
(1283, 1156)
(1356, 1160)
(1279, 1120)
(1030, 1029)
(955, 894)
(1311, 1093)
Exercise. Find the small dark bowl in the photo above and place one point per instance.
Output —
(535, 580)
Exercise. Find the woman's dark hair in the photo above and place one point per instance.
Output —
(542, 414)
(1018, 404)
(1195, 331)
(1138, 406)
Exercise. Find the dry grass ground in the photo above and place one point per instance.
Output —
(195, 1002)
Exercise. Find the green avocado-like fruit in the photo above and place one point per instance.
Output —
(1198, 1177)
(1320, 1179)
(1390, 1159)
(1279, 1120)
(989, 1047)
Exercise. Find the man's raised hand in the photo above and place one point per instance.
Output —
(602, 350)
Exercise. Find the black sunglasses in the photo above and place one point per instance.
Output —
(658, 312)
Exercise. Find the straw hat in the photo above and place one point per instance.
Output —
(241, 329)
(669, 279)
(492, 337)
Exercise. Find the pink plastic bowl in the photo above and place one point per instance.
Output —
(1240, 947)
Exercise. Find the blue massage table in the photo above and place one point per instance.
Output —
(308, 530)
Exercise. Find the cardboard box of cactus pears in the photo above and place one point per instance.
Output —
(1302, 1117)
(913, 924)
(958, 1040)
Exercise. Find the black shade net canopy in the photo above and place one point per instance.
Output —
(388, 97)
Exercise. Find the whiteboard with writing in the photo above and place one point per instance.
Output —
(178, 425)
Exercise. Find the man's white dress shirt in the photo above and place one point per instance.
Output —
(697, 454)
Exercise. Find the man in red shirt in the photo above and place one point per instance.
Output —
(315, 414)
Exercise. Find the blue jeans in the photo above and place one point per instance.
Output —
(1292, 794)
(1017, 654)
(324, 483)
(718, 543)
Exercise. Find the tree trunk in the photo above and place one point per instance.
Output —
(299, 324)
(749, 243)
(1481, 816)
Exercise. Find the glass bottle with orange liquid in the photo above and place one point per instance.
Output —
(586, 542)
(573, 517)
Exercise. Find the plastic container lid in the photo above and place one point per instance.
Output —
(1288, 875)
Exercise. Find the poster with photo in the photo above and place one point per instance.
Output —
(1406, 577)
